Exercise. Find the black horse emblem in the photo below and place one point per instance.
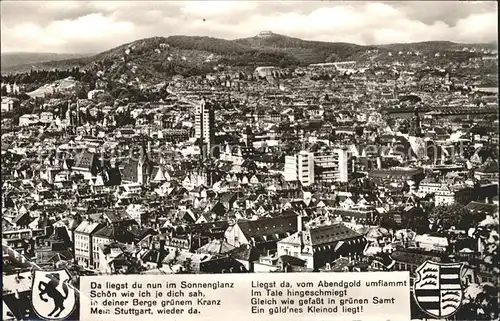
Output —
(50, 289)
(53, 296)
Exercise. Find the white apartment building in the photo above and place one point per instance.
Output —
(300, 167)
(9, 104)
(83, 243)
(333, 165)
(429, 188)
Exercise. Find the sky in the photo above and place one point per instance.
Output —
(95, 26)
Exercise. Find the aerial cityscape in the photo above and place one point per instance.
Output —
(268, 153)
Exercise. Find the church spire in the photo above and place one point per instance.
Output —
(416, 126)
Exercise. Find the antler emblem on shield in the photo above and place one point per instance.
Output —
(53, 297)
(438, 288)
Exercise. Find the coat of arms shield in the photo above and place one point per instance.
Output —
(53, 297)
(438, 288)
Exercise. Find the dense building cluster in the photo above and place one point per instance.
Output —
(329, 167)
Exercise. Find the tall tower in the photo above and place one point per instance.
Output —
(416, 126)
(416, 137)
(248, 137)
(69, 115)
(143, 166)
(205, 127)
(78, 123)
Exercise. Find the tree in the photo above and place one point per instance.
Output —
(465, 195)
(18, 112)
(100, 115)
(388, 222)
(187, 268)
(481, 300)
(134, 265)
(124, 119)
(80, 91)
(416, 220)
(485, 153)
(455, 215)
(404, 126)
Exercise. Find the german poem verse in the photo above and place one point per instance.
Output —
(307, 296)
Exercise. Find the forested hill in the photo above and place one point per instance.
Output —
(160, 57)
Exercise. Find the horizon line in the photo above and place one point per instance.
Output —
(493, 42)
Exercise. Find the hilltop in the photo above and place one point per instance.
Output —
(305, 51)
(160, 57)
(205, 51)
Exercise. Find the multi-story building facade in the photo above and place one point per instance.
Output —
(22, 240)
(333, 165)
(321, 245)
(205, 126)
(300, 168)
(83, 242)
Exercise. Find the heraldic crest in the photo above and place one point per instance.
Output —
(438, 288)
(53, 298)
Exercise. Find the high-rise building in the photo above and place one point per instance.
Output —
(333, 165)
(205, 127)
(300, 167)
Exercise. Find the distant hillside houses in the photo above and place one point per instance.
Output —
(9, 104)
(269, 71)
(11, 88)
(339, 66)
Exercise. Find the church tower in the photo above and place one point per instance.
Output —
(248, 137)
(143, 167)
(416, 126)
(68, 118)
